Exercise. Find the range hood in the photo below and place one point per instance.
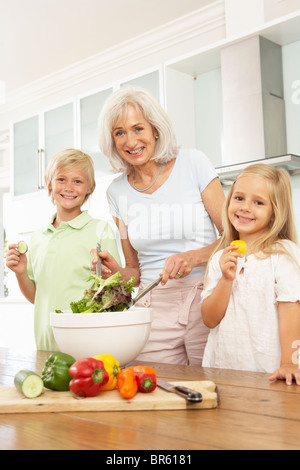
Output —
(253, 101)
(291, 163)
(254, 121)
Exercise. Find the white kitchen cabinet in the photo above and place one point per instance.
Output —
(151, 81)
(35, 140)
(25, 155)
(59, 130)
(90, 107)
(194, 103)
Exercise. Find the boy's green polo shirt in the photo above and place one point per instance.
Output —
(59, 262)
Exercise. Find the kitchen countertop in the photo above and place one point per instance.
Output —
(252, 414)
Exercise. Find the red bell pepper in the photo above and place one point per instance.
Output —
(89, 375)
(146, 382)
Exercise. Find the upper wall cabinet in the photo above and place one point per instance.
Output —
(151, 82)
(90, 108)
(35, 140)
(25, 156)
(59, 130)
(194, 103)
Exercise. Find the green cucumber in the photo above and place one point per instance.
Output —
(22, 247)
(29, 383)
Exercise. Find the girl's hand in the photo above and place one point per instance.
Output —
(109, 264)
(15, 261)
(176, 267)
(286, 372)
(229, 262)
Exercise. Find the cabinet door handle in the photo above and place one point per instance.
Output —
(40, 168)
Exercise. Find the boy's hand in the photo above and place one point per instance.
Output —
(229, 262)
(286, 372)
(15, 261)
(109, 264)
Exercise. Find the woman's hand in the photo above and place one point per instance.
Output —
(229, 263)
(176, 267)
(15, 261)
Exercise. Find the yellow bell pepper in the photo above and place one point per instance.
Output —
(112, 367)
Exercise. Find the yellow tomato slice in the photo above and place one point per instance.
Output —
(242, 246)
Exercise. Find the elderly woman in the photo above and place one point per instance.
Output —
(166, 204)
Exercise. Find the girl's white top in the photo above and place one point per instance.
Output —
(248, 336)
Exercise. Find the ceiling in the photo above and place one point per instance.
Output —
(39, 37)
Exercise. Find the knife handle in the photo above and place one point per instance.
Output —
(188, 394)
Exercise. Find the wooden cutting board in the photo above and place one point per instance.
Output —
(11, 401)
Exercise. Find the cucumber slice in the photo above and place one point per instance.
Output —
(29, 383)
(22, 247)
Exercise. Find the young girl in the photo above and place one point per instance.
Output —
(251, 302)
(58, 263)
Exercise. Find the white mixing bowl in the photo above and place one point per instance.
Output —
(122, 334)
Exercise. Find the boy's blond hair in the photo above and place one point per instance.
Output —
(282, 225)
(67, 160)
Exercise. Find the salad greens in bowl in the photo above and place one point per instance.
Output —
(110, 295)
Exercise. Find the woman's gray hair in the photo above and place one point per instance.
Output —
(166, 147)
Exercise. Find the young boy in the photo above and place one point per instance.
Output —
(59, 260)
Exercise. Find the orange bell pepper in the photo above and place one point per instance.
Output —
(127, 383)
(142, 370)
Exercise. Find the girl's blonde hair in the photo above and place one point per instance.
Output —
(282, 225)
(117, 104)
(68, 160)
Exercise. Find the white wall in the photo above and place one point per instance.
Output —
(16, 325)
(38, 37)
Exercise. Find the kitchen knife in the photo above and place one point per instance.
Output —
(146, 290)
(99, 262)
(187, 393)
